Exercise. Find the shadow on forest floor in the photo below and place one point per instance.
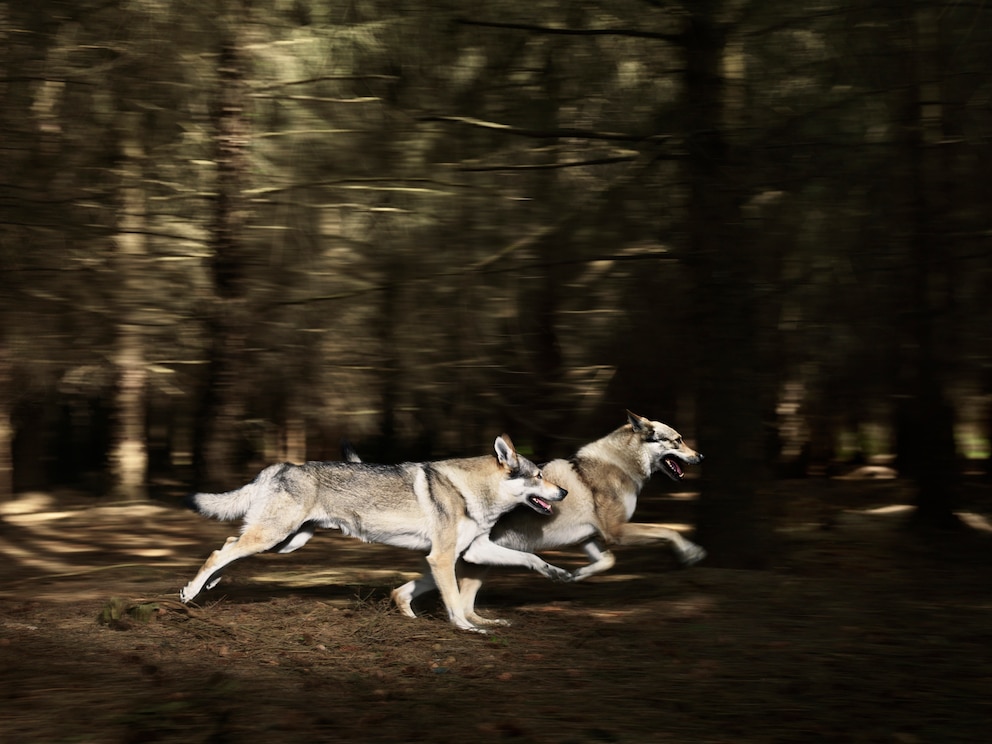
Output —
(860, 631)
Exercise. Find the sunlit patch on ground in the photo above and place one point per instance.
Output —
(325, 576)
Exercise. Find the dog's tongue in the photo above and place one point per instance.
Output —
(542, 503)
(674, 465)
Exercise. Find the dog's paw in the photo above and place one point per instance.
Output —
(463, 623)
(579, 574)
(692, 555)
(497, 621)
(558, 574)
(406, 609)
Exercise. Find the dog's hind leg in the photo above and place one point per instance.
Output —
(297, 541)
(600, 560)
(255, 539)
(404, 596)
(636, 533)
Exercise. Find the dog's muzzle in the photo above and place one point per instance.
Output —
(673, 465)
(544, 507)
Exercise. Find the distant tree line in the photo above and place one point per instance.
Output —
(233, 234)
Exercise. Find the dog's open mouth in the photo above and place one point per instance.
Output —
(539, 505)
(674, 468)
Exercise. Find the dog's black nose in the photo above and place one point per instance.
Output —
(700, 455)
(564, 493)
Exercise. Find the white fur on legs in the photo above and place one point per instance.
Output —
(484, 551)
(442, 560)
(600, 560)
(637, 533)
(253, 540)
(469, 583)
(690, 554)
(405, 595)
(298, 540)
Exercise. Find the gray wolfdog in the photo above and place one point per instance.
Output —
(446, 507)
(604, 479)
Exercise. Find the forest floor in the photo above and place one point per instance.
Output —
(857, 632)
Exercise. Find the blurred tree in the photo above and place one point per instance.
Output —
(6, 420)
(722, 259)
(222, 405)
(931, 457)
(418, 224)
(129, 452)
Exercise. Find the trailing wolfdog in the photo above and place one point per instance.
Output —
(446, 507)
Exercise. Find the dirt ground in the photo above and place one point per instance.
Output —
(857, 633)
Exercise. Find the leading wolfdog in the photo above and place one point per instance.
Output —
(604, 479)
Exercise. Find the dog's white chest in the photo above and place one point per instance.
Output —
(629, 503)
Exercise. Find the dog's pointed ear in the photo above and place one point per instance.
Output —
(638, 423)
(505, 452)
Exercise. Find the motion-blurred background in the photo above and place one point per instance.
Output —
(233, 233)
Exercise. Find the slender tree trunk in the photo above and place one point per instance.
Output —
(930, 416)
(538, 300)
(221, 408)
(6, 423)
(729, 383)
(392, 362)
(129, 452)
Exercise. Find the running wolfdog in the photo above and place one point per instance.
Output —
(446, 507)
(604, 479)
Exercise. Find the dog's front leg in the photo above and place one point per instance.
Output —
(485, 552)
(442, 563)
(470, 577)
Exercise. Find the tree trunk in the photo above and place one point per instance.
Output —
(221, 411)
(729, 385)
(931, 417)
(129, 453)
(538, 298)
(6, 424)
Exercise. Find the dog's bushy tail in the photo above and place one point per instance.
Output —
(233, 504)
